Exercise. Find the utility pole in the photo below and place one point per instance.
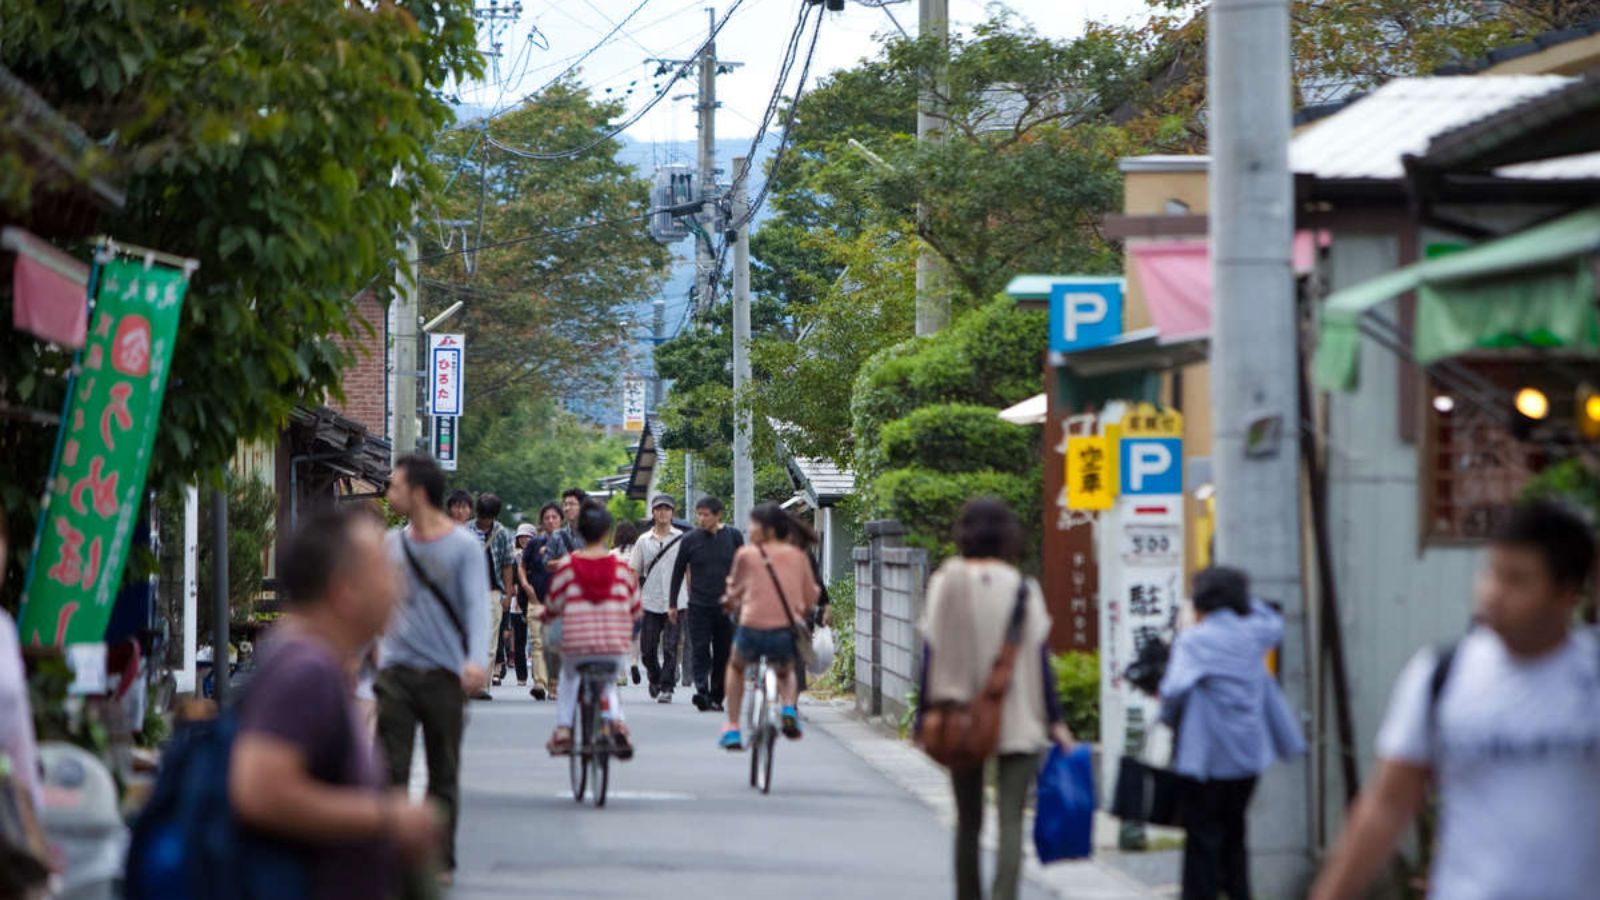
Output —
(405, 356)
(220, 614)
(658, 336)
(708, 67)
(1254, 359)
(744, 474)
(933, 298)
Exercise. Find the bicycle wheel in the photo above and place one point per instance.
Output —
(600, 761)
(577, 762)
(755, 758)
(769, 747)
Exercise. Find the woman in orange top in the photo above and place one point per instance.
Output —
(771, 586)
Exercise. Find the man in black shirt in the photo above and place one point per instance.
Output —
(706, 555)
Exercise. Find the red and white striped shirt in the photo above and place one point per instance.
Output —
(597, 600)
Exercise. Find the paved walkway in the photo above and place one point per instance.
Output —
(682, 820)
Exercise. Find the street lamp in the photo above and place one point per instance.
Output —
(438, 320)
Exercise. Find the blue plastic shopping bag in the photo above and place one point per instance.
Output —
(1063, 822)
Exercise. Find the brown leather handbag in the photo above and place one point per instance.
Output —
(963, 735)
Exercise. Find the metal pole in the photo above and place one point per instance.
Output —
(219, 593)
(1254, 344)
(933, 298)
(405, 355)
(191, 588)
(658, 329)
(744, 477)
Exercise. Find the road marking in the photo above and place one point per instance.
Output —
(636, 795)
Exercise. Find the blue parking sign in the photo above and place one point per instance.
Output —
(1084, 313)
(1152, 465)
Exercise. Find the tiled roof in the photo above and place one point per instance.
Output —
(1369, 139)
(824, 480)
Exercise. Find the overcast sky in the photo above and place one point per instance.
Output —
(756, 36)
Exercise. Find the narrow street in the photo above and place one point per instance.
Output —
(682, 821)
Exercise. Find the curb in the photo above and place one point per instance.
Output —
(907, 767)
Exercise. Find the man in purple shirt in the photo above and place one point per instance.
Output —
(303, 766)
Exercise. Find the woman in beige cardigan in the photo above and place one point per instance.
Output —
(970, 602)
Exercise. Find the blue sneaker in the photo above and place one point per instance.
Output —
(791, 723)
(731, 740)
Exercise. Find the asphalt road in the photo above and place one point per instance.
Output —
(681, 820)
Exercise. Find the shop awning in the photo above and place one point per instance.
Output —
(1535, 287)
(1175, 277)
(1032, 411)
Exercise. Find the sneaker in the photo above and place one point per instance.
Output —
(664, 697)
(716, 706)
(791, 723)
(522, 682)
(483, 695)
(634, 671)
(731, 740)
(701, 702)
(537, 692)
(655, 690)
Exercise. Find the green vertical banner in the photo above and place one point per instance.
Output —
(99, 473)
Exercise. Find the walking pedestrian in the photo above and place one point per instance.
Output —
(302, 767)
(974, 601)
(514, 638)
(706, 556)
(500, 559)
(653, 557)
(597, 599)
(567, 539)
(623, 540)
(1231, 723)
(460, 506)
(18, 745)
(770, 588)
(432, 654)
(535, 577)
(1505, 725)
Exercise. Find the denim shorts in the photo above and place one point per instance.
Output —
(776, 644)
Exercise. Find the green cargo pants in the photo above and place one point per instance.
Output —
(433, 699)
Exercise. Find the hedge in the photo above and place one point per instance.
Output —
(928, 502)
(953, 437)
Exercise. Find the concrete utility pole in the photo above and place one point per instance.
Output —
(933, 299)
(658, 336)
(1254, 356)
(744, 472)
(220, 614)
(405, 312)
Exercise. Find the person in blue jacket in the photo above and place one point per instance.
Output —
(1230, 722)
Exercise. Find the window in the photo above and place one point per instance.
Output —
(1476, 461)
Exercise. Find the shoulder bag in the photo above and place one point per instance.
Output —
(658, 557)
(433, 588)
(803, 648)
(961, 735)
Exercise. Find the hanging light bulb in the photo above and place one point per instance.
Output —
(1589, 412)
(1444, 403)
(1533, 403)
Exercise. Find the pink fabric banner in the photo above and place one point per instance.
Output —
(49, 292)
(1175, 277)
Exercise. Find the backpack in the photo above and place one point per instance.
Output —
(187, 844)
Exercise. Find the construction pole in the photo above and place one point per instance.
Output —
(405, 355)
(1254, 358)
(744, 473)
(933, 298)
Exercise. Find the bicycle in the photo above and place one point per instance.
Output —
(592, 749)
(761, 717)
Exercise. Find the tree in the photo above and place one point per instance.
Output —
(283, 145)
(547, 312)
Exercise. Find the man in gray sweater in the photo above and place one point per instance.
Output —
(432, 656)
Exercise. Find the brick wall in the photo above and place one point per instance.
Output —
(364, 379)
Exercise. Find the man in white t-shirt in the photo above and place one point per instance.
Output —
(653, 556)
(1506, 724)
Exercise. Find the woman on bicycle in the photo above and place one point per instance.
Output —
(770, 587)
(597, 598)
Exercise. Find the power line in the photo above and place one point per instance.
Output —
(632, 119)
(551, 232)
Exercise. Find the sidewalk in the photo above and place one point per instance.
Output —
(1110, 875)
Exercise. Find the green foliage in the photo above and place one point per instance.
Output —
(841, 677)
(1573, 481)
(1078, 689)
(547, 314)
(928, 502)
(958, 437)
(252, 508)
(993, 356)
(264, 140)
